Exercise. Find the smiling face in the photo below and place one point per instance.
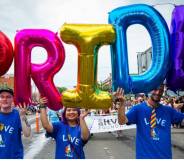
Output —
(71, 114)
(157, 94)
(6, 100)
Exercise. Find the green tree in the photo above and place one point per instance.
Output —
(61, 89)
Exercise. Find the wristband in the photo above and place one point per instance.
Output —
(42, 106)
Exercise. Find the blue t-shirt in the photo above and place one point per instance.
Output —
(11, 146)
(67, 147)
(159, 146)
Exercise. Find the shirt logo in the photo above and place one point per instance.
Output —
(159, 121)
(68, 151)
(155, 135)
(1, 127)
(1, 142)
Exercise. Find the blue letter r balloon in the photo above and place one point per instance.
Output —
(121, 18)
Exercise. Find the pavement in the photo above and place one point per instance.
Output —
(177, 138)
(31, 118)
(100, 146)
(177, 135)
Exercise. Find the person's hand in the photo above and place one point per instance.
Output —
(118, 96)
(84, 114)
(22, 109)
(43, 100)
(178, 105)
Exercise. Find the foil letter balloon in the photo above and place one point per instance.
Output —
(147, 16)
(6, 53)
(87, 38)
(175, 79)
(42, 74)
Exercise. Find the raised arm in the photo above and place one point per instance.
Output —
(119, 101)
(26, 128)
(84, 129)
(43, 115)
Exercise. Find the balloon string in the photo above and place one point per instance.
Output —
(157, 4)
(58, 31)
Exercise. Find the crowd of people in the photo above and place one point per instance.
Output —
(153, 116)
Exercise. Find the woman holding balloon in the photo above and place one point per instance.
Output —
(70, 134)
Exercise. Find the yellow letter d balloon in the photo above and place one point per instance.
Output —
(87, 38)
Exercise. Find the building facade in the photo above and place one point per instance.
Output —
(144, 60)
(7, 80)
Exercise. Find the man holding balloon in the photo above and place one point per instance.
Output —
(153, 120)
(12, 123)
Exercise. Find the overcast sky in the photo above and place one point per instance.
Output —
(52, 14)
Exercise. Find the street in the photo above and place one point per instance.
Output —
(100, 146)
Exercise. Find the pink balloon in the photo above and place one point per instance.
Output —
(6, 53)
(42, 74)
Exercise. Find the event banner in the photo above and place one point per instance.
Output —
(97, 124)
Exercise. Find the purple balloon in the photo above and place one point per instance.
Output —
(177, 21)
(175, 79)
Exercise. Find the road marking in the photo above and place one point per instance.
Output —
(109, 153)
(36, 146)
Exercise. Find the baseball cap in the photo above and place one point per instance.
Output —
(6, 89)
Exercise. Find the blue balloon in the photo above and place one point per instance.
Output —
(121, 18)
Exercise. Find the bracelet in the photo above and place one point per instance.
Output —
(42, 106)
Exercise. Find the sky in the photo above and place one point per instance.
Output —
(52, 14)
